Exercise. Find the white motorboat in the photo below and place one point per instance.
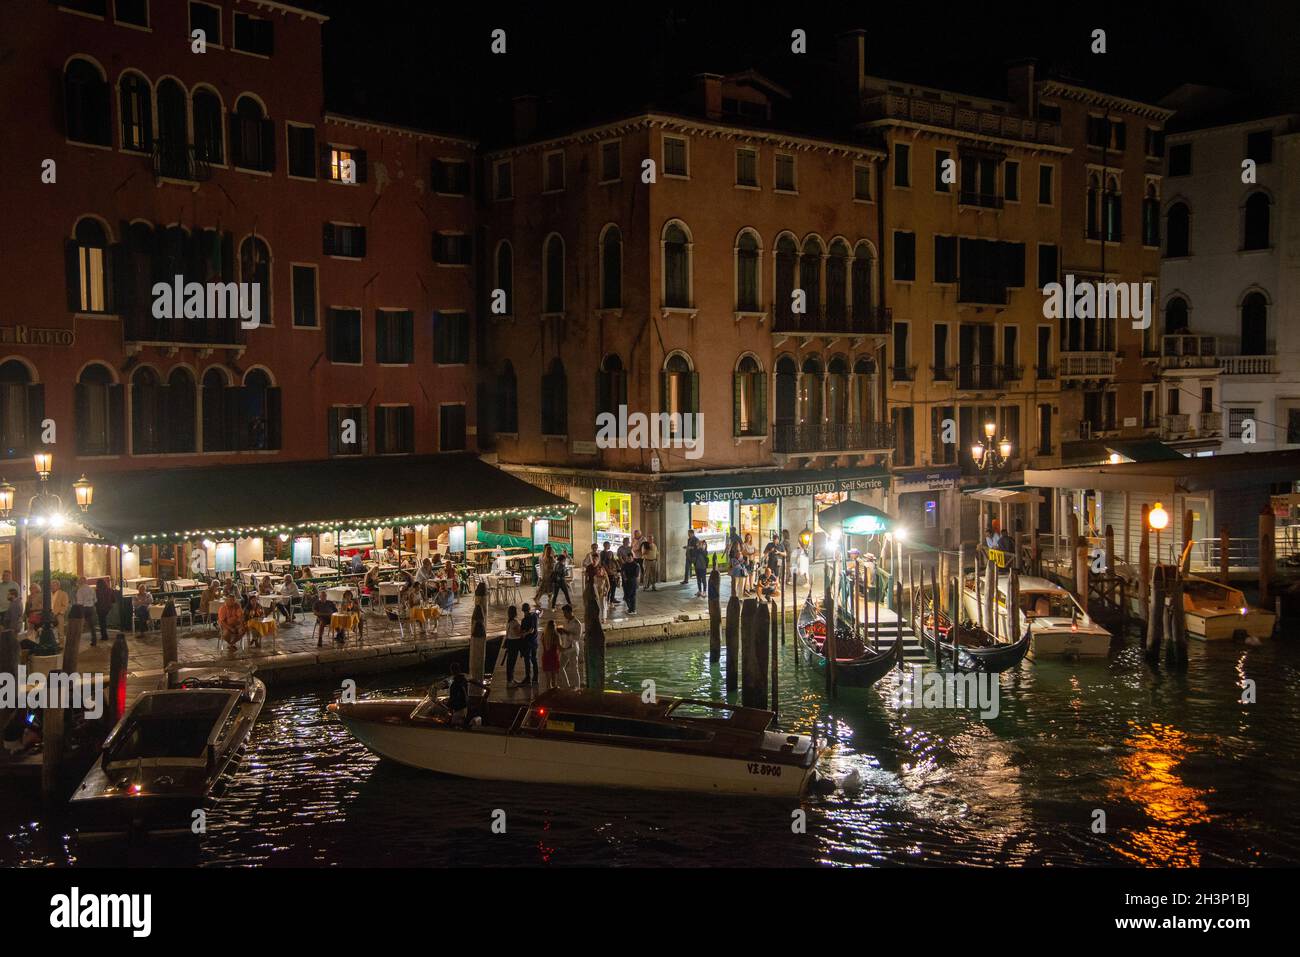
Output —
(1215, 611)
(1059, 626)
(593, 738)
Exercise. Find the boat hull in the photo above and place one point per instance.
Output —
(491, 755)
(1256, 623)
(1069, 644)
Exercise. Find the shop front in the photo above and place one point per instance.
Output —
(611, 516)
(926, 504)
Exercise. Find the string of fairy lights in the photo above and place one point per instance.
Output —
(341, 525)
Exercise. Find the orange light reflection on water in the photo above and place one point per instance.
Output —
(1148, 779)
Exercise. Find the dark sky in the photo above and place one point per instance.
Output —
(428, 63)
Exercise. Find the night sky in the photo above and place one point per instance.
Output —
(427, 64)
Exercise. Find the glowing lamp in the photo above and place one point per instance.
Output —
(44, 464)
(989, 429)
(1004, 448)
(977, 452)
(6, 498)
(1114, 458)
(1158, 518)
(84, 491)
(805, 537)
(900, 534)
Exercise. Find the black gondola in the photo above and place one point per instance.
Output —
(977, 650)
(862, 670)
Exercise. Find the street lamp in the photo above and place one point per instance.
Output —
(990, 457)
(1158, 519)
(45, 509)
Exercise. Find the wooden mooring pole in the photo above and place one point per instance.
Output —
(1144, 558)
(1225, 544)
(1267, 557)
(763, 624)
(715, 617)
(733, 642)
(1156, 617)
(775, 653)
(828, 648)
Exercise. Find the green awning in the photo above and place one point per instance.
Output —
(855, 518)
(310, 497)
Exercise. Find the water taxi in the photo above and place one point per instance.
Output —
(1215, 611)
(1059, 627)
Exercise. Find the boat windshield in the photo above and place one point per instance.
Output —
(613, 726)
(701, 709)
(1048, 604)
(175, 725)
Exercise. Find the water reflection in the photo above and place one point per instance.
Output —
(1148, 779)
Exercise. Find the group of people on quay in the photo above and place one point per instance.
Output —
(71, 599)
(560, 642)
(752, 573)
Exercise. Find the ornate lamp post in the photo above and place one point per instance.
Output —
(45, 510)
(991, 458)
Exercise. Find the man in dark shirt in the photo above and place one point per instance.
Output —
(528, 633)
(631, 576)
(325, 610)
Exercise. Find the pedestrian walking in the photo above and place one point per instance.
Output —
(570, 629)
(528, 634)
(688, 565)
(550, 656)
(631, 576)
(513, 645)
(701, 568)
(560, 579)
(650, 563)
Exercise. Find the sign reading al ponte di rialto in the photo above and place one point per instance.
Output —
(860, 482)
(33, 336)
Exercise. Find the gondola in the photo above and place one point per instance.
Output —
(977, 650)
(856, 666)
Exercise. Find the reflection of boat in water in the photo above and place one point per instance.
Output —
(856, 665)
(1058, 627)
(977, 649)
(606, 739)
(169, 753)
(1215, 611)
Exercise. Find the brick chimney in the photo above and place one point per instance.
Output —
(708, 90)
(851, 66)
(525, 116)
(1022, 79)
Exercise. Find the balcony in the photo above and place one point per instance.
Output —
(984, 200)
(1187, 425)
(1042, 372)
(815, 439)
(141, 328)
(1248, 365)
(969, 119)
(1185, 351)
(1087, 365)
(981, 378)
(869, 321)
(179, 161)
(982, 292)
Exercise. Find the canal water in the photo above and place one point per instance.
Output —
(1086, 763)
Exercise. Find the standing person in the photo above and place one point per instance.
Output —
(637, 539)
(599, 581)
(609, 561)
(545, 572)
(59, 605)
(688, 565)
(701, 568)
(551, 656)
(738, 574)
(12, 620)
(631, 576)
(512, 643)
(5, 585)
(570, 648)
(560, 579)
(84, 599)
(105, 599)
(529, 636)
(750, 552)
(650, 562)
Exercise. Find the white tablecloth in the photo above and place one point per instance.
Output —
(336, 594)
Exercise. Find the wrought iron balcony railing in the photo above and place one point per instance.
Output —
(869, 320)
(178, 160)
(794, 438)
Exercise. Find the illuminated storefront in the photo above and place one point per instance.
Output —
(711, 521)
(611, 516)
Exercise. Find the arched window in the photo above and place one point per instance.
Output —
(22, 407)
(135, 104)
(611, 385)
(147, 413)
(837, 396)
(98, 405)
(810, 281)
(252, 136)
(1151, 218)
(1254, 325)
(787, 386)
(680, 390)
(173, 135)
(1256, 235)
(747, 279)
(810, 392)
(87, 267)
(1178, 231)
(507, 399)
(219, 411)
(259, 412)
(209, 138)
(1114, 210)
(787, 255)
(255, 266)
(555, 400)
(864, 391)
(85, 104)
(837, 285)
(180, 403)
(862, 269)
(749, 411)
(553, 274)
(505, 275)
(677, 267)
(1175, 316)
(611, 268)
(1094, 207)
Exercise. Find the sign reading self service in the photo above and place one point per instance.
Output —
(744, 493)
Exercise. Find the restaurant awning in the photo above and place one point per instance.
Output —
(1006, 496)
(309, 497)
(778, 483)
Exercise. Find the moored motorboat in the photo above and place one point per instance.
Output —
(1057, 625)
(1215, 611)
(856, 665)
(170, 753)
(591, 738)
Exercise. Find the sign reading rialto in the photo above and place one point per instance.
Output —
(821, 485)
(31, 336)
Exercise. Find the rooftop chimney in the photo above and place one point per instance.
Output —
(1022, 79)
(708, 89)
(851, 66)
